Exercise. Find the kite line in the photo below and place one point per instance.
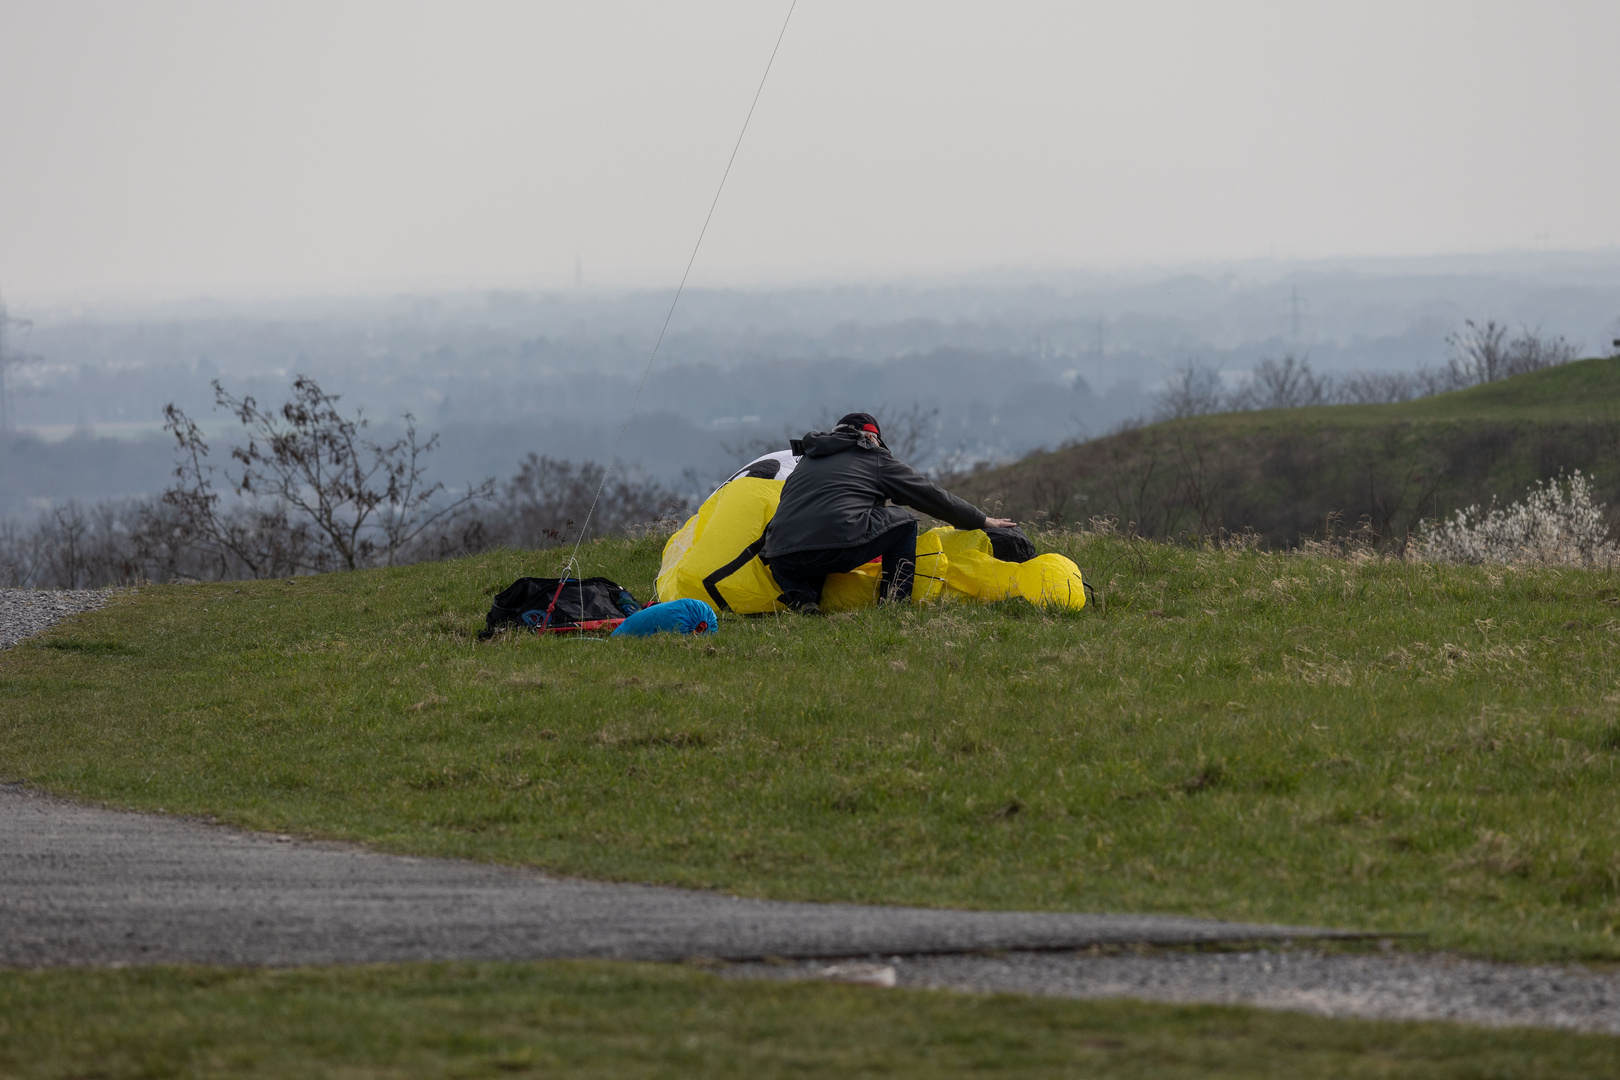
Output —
(571, 564)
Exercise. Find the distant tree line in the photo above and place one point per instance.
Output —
(307, 489)
(1480, 353)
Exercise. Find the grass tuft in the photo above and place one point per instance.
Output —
(89, 647)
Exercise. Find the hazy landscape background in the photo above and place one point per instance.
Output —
(1023, 216)
(1011, 362)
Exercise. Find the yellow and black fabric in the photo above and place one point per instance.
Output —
(714, 557)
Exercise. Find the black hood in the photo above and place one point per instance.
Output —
(827, 443)
(836, 500)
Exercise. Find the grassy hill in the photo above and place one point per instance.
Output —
(1359, 743)
(1364, 743)
(1294, 473)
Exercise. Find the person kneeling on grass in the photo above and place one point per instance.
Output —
(834, 515)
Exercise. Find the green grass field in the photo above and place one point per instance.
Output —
(1586, 390)
(1339, 741)
(625, 1021)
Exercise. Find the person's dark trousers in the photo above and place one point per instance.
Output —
(801, 574)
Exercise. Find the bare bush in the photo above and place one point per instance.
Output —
(135, 541)
(548, 498)
(1483, 354)
(1532, 352)
(312, 492)
(74, 547)
(1194, 390)
(912, 433)
(1479, 354)
(252, 537)
(1288, 383)
(1388, 387)
(1557, 524)
(306, 491)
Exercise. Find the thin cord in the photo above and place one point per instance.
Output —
(612, 461)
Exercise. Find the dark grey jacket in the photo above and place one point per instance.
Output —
(835, 497)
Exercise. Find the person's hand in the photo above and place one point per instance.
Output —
(999, 523)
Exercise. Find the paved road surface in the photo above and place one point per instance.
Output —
(83, 885)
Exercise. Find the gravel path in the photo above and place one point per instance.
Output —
(83, 885)
(25, 612)
(1392, 986)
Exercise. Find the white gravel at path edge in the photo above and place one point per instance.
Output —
(1388, 986)
(25, 612)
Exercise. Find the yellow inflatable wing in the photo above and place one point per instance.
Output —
(1047, 581)
(859, 588)
(714, 557)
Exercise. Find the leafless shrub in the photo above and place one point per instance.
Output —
(1194, 390)
(313, 489)
(309, 493)
(73, 547)
(252, 537)
(956, 462)
(1288, 383)
(912, 433)
(16, 555)
(1479, 354)
(1388, 387)
(1557, 524)
(542, 505)
(1482, 354)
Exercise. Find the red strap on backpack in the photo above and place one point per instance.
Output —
(546, 625)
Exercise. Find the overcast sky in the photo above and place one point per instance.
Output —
(160, 149)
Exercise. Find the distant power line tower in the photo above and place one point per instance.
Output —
(9, 358)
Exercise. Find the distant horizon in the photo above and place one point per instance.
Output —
(1260, 269)
(1013, 358)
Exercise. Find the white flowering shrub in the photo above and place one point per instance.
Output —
(1557, 524)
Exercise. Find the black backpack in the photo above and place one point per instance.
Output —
(551, 604)
(1010, 544)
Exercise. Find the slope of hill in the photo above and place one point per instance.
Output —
(1148, 754)
(1290, 474)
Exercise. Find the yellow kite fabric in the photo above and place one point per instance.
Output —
(714, 557)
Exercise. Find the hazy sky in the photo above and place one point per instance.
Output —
(157, 148)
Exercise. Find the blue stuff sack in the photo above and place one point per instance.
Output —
(685, 616)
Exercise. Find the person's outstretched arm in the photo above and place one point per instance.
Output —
(908, 487)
